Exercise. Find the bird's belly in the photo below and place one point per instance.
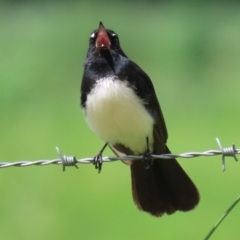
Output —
(117, 115)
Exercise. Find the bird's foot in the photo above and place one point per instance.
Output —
(147, 159)
(97, 162)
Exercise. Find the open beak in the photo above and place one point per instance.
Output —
(102, 40)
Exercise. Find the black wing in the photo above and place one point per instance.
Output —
(143, 87)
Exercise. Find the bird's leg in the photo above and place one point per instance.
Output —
(97, 160)
(147, 156)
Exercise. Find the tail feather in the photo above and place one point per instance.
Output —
(163, 188)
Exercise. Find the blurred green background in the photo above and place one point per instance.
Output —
(192, 54)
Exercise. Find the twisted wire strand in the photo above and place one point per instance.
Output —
(72, 161)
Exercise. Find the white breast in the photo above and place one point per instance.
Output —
(116, 114)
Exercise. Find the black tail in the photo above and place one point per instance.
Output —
(163, 188)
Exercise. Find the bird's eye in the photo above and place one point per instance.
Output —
(92, 38)
(115, 37)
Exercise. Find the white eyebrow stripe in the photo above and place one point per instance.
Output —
(92, 35)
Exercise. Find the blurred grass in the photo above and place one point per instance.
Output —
(192, 54)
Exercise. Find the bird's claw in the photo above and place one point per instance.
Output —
(97, 162)
(147, 159)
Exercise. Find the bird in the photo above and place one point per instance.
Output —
(121, 107)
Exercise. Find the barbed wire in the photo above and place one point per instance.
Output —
(67, 161)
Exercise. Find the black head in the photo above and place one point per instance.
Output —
(103, 39)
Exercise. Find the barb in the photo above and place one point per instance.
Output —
(67, 160)
(226, 152)
(72, 161)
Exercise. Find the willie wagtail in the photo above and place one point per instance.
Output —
(121, 107)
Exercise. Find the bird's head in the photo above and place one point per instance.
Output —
(103, 39)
